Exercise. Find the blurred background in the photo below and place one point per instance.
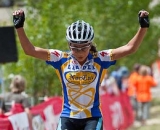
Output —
(114, 23)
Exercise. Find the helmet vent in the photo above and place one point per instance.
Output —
(79, 32)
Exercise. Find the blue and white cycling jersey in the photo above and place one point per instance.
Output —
(80, 84)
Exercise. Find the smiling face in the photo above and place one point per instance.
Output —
(80, 51)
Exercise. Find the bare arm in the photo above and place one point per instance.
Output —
(28, 47)
(133, 44)
(29, 117)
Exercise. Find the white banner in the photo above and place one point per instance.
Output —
(37, 123)
(51, 119)
(19, 121)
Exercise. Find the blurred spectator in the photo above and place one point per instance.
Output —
(124, 75)
(14, 97)
(131, 87)
(1, 105)
(156, 67)
(143, 85)
(109, 85)
(121, 75)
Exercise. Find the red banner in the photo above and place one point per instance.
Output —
(49, 111)
(117, 114)
(5, 123)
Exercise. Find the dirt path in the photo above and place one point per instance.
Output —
(153, 123)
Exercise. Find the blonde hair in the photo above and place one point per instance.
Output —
(143, 70)
(18, 84)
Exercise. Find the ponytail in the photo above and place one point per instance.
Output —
(93, 50)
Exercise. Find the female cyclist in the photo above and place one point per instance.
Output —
(81, 70)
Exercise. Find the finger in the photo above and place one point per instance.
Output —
(18, 12)
(143, 13)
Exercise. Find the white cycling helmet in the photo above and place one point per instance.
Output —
(79, 32)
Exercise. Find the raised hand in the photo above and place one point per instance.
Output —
(143, 19)
(18, 18)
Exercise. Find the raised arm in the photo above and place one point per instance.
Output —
(135, 42)
(28, 47)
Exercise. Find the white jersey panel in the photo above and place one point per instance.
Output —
(55, 55)
(104, 55)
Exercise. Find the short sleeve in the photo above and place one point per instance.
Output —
(105, 55)
(54, 55)
(25, 103)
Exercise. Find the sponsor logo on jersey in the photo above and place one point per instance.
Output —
(103, 53)
(55, 53)
(82, 78)
(85, 67)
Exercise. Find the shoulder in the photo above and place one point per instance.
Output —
(106, 55)
(94, 54)
(56, 55)
(66, 54)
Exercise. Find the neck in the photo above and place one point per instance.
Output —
(81, 62)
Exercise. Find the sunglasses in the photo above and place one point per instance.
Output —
(76, 49)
